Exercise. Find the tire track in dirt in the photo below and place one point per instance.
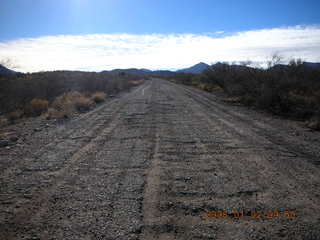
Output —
(278, 147)
(151, 191)
(37, 204)
(259, 127)
(39, 200)
(83, 127)
(205, 164)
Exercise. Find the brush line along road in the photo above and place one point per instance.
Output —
(164, 161)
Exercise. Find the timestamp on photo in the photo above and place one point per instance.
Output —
(250, 214)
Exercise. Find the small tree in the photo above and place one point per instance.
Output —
(295, 62)
(276, 59)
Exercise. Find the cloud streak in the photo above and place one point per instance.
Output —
(98, 52)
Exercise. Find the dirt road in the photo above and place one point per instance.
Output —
(153, 163)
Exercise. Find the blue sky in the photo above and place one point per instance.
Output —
(24, 20)
(35, 18)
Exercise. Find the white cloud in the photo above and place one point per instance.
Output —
(159, 51)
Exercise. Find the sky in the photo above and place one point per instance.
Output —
(95, 35)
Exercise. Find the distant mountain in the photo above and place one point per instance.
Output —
(133, 71)
(6, 71)
(196, 69)
(162, 73)
(311, 65)
(142, 71)
(304, 64)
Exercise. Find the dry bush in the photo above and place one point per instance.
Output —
(3, 121)
(66, 101)
(314, 124)
(233, 100)
(38, 106)
(201, 86)
(290, 90)
(136, 82)
(210, 87)
(99, 97)
(53, 113)
(68, 104)
(2, 136)
(64, 105)
(15, 115)
(83, 104)
(17, 90)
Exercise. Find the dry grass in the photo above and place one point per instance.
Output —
(232, 100)
(39, 106)
(67, 104)
(314, 124)
(15, 115)
(83, 104)
(3, 121)
(208, 87)
(54, 94)
(53, 113)
(136, 82)
(17, 91)
(99, 97)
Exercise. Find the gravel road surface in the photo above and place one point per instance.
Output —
(163, 161)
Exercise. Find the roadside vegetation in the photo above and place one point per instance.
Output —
(58, 94)
(291, 90)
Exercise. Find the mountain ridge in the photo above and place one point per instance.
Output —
(6, 71)
(195, 69)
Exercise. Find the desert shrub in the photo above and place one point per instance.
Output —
(184, 78)
(53, 113)
(99, 97)
(39, 106)
(64, 105)
(15, 115)
(314, 123)
(291, 90)
(136, 82)
(247, 99)
(207, 87)
(83, 104)
(268, 97)
(17, 90)
(68, 104)
(3, 121)
(66, 100)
